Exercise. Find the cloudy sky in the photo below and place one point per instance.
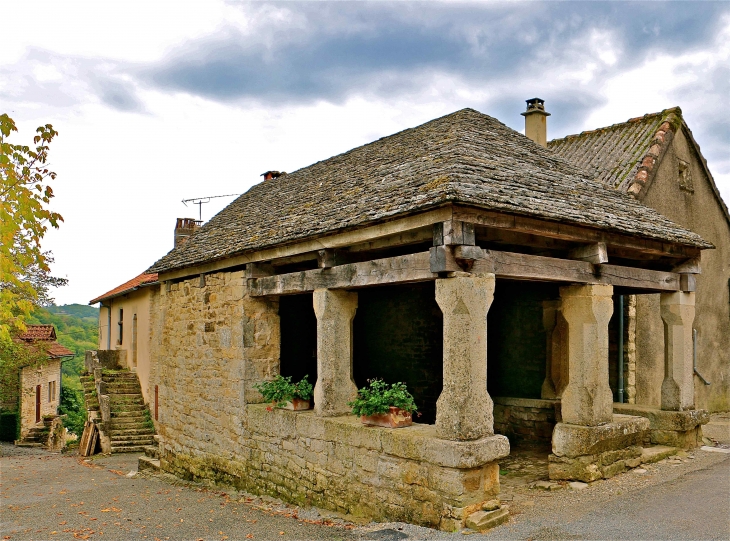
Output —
(157, 102)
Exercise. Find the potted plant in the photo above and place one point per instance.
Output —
(284, 394)
(383, 404)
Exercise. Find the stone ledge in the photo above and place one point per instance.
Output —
(539, 403)
(665, 420)
(577, 440)
(417, 442)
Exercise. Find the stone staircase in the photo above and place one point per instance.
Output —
(130, 427)
(37, 436)
(151, 459)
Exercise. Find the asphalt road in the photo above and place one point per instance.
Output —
(51, 496)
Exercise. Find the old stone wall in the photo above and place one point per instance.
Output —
(526, 419)
(30, 377)
(210, 344)
(689, 201)
(337, 463)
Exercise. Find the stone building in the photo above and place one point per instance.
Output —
(39, 386)
(124, 325)
(443, 256)
(656, 159)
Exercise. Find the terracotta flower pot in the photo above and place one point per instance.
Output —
(395, 418)
(296, 404)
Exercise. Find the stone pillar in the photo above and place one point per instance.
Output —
(587, 399)
(549, 319)
(464, 408)
(335, 310)
(678, 313)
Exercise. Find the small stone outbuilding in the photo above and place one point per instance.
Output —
(442, 256)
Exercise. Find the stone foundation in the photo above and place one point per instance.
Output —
(526, 419)
(589, 468)
(681, 429)
(337, 463)
(588, 453)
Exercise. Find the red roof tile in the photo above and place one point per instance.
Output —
(126, 287)
(38, 332)
(45, 333)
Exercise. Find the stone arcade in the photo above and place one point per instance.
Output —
(375, 263)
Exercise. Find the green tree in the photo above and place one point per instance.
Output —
(25, 279)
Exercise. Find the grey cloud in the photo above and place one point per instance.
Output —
(392, 49)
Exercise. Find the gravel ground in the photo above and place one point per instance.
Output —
(52, 496)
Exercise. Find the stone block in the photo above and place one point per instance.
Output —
(688, 439)
(575, 440)
(574, 469)
(483, 520)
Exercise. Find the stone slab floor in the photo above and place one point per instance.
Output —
(52, 496)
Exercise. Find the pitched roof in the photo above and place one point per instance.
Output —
(38, 332)
(143, 279)
(45, 333)
(465, 157)
(625, 156)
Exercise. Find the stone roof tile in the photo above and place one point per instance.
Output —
(465, 157)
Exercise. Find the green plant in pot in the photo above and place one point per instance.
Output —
(384, 404)
(284, 394)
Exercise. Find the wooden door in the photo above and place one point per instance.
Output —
(37, 403)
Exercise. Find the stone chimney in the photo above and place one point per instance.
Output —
(536, 121)
(184, 228)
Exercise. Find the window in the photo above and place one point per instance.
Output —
(121, 326)
(51, 391)
(685, 176)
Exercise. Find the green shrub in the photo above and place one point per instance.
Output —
(378, 397)
(281, 390)
(72, 406)
(9, 425)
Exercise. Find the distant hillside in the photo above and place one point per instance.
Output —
(82, 311)
(77, 328)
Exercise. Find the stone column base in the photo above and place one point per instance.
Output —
(588, 453)
(681, 429)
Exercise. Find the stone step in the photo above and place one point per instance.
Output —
(23, 443)
(656, 453)
(139, 444)
(152, 451)
(119, 377)
(147, 463)
(129, 411)
(134, 439)
(129, 421)
(117, 433)
(130, 449)
(121, 388)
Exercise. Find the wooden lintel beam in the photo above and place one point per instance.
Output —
(595, 253)
(690, 266)
(573, 233)
(550, 269)
(391, 270)
(453, 232)
(420, 267)
(259, 270)
(688, 282)
(326, 258)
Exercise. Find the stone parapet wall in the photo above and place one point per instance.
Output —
(337, 463)
(526, 419)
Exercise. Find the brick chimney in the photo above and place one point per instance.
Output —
(184, 228)
(272, 174)
(536, 121)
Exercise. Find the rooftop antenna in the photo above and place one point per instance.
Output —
(200, 201)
